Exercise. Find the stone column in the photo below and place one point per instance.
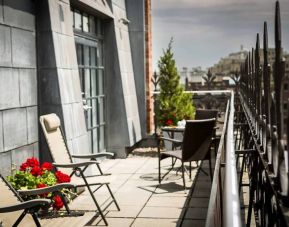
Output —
(59, 84)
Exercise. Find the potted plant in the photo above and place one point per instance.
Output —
(173, 104)
(32, 175)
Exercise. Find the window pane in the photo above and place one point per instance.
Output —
(100, 82)
(92, 26)
(101, 110)
(89, 114)
(95, 141)
(99, 54)
(86, 55)
(81, 77)
(85, 22)
(93, 82)
(101, 139)
(77, 20)
(92, 56)
(87, 83)
(90, 140)
(99, 27)
(79, 54)
(94, 112)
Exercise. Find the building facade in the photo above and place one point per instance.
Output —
(226, 65)
(81, 59)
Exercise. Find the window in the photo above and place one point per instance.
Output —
(89, 49)
(85, 23)
(285, 87)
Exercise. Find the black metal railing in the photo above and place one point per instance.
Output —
(224, 204)
(260, 138)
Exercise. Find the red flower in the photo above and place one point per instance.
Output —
(169, 122)
(36, 171)
(62, 177)
(24, 166)
(58, 204)
(31, 162)
(46, 166)
(41, 185)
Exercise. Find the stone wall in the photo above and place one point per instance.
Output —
(18, 84)
(58, 73)
(136, 15)
(123, 118)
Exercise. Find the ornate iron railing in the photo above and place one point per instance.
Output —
(260, 136)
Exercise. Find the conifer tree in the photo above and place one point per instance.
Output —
(173, 103)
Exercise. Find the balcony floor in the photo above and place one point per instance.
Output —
(143, 202)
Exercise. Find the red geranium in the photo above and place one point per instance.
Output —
(46, 166)
(62, 177)
(24, 166)
(31, 162)
(58, 204)
(36, 171)
(169, 122)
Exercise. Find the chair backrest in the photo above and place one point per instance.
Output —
(202, 114)
(8, 196)
(197, 139)
(51, 127)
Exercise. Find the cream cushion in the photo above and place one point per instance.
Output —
(52, 122)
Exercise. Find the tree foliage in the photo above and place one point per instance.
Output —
(209, 79)
(173, 103)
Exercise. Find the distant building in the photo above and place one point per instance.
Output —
(232, 63)
(195, 75)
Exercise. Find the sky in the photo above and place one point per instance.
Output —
(206, 30)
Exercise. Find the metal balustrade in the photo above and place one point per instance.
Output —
(260, 136)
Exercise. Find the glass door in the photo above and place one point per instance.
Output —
(89, 48)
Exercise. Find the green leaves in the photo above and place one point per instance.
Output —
(173, 104)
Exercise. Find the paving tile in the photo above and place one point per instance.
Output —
(112, 222)
(125, 212)
(163, 201)
(132, 199)
(160, 212)
(149, 222)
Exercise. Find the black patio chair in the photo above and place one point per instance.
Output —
(196, 145)
(14, 210)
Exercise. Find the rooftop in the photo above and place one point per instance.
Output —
(143, 201)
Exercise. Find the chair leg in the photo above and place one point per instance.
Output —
(93, 198)
(183, 175)
(99, 169)
(20, 218)
(114, 200)
(37, 223)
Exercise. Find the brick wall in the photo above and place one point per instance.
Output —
(148, 42)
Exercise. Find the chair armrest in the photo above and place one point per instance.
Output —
(25, 205)
(171, 140)
(75, 165)
(98, 155)
(39, 191)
